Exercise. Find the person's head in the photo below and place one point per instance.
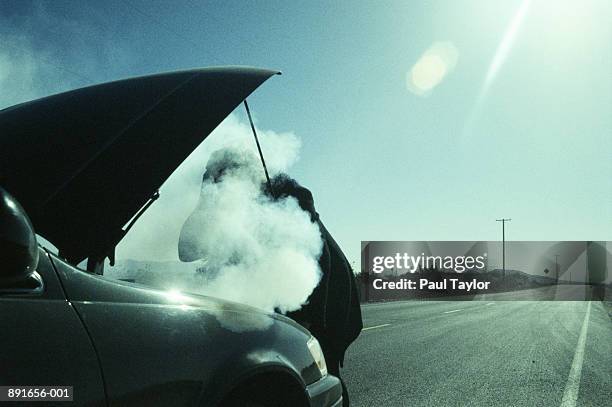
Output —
(229, 161)
(285, 186)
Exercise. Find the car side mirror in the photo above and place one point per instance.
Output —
(18, 247)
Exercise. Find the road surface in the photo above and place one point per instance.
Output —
(483, 353)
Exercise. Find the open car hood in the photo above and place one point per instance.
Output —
(82, 163)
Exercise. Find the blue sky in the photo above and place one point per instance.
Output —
(520, 128)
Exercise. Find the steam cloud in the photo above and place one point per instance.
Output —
(254, 250)
(242, 245)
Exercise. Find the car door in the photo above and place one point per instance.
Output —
(44, 343)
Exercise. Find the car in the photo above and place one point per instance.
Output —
(78, 169)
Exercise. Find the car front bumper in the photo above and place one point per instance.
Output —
(326, 392)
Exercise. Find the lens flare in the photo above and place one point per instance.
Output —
(431, 68)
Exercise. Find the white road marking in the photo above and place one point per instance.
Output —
(491, 303)
(455, 310)
(570, 395)
(374, 327)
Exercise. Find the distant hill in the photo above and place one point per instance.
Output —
(516, 279)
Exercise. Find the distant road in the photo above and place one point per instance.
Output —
(483, 353)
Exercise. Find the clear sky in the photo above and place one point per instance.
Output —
(419, 120)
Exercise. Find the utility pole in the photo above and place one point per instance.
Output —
(503, 221)
(557, 267)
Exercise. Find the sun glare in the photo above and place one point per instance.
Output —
(431, 68)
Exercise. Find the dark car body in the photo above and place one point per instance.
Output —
(118, 343)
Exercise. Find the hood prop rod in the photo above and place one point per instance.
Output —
(246, 105)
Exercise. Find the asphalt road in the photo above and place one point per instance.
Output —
(483, 353)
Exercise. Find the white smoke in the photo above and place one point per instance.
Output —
(245, 247)
(155, 236)
(255, 250)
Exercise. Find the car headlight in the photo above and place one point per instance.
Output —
(317, 355)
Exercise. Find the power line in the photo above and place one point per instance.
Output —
(84, 77)
(162, 25)
(49, 62)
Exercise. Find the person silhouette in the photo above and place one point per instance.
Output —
(332, 313)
